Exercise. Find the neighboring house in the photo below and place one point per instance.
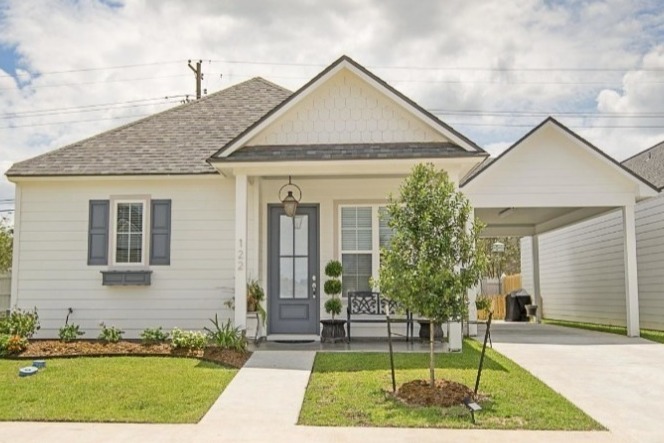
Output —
(582, 277)
(160, 222)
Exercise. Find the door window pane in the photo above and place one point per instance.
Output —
(286, 277)
(285, 235)
(301, 235)
(301, 278)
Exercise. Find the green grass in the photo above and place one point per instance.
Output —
(351, 389)
(114, 389)
(648, 334)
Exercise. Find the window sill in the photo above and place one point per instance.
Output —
(126, 278)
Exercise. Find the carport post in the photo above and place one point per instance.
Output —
(631, 276)
(536, 277)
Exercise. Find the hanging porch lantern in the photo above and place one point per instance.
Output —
(289, 202)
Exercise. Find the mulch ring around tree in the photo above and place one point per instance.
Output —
(85, 348)
(446, 393)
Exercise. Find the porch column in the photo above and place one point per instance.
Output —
(631, 276)
(472, 293)
(241, 251)
(536, 277)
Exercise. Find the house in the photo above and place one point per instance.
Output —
(162, 221)
(582, 278)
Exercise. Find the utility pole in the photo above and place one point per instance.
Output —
(199, 76)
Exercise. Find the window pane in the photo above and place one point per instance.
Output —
(122, 248)
(301, 278)
(123, 217)
(357, 272)
(136, 217)
(286, 277)
(135, 248)
(348, 218)
(348, 240)
(364, 217)
(285, 235)
(384, 231)
(301, 235)
(356, 229)
(364, 240)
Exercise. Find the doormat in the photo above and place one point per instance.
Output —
(294, 342)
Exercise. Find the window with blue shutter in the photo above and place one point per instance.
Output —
(160, 232)
(98, 226)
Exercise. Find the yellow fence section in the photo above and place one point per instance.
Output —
(510, 283)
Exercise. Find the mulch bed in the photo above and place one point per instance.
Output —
(446, 393)
(90, 348)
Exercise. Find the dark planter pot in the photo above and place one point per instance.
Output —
(424, 331)
(333, 331)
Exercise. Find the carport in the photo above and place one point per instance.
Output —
(552, 178)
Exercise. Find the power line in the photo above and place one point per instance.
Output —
(105, 68)
(510, 125)
(527, 114)
(124, 80)
(76, 121)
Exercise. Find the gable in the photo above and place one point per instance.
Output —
(548, 165)
(346, 109)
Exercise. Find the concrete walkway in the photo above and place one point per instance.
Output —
(618, 381)
(263, 401)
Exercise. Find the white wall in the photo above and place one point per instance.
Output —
(527, 265)
(53, 273)
(582, 273)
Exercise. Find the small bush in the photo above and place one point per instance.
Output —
(226, 336)
(69, 333)
(22, 323)
(332, 287)
(483, 303)
(12, 344)
(333, 306)
(333, 269)
(190, 340)
(110, 334)
(153, 336)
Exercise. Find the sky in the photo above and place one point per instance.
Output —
(491, 69)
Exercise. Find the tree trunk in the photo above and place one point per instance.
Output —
(432, 362)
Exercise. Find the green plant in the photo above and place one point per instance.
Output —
(20, 322)
(190, 340)
(332, 287)
(110, 334)
(12, 344)
(483, 303)
(153, 336)
(69, 333)
(433, 258)
(226, 336)
(255, 297)
(6, 244)
(333, 306)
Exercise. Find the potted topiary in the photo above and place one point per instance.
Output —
(334, 329)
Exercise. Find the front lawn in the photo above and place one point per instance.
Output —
(112, 389)
(648, 334)
(351, 389)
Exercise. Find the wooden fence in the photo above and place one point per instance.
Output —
(5, 292)
(509, 283)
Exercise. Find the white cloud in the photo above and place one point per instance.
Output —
(68, 35)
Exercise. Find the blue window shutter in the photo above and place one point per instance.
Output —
(98, 224)
(160, 232)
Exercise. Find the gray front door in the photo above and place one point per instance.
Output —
(293, 284)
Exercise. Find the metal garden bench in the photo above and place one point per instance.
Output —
(371, 304)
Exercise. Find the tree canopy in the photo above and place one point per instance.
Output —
(6, 245)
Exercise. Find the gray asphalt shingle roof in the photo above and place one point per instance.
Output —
(176, 141)
(347, 152)
(649, 164)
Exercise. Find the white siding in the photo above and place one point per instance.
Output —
(527, 265)
(53, 273)
(582, 273)
(346, 109)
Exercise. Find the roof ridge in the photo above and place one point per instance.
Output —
(143, 120)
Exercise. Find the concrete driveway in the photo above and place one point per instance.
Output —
(618, 381)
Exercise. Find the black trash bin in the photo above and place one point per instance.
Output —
(515, 305)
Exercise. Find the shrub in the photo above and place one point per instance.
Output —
(333, 269)
(69, 332)
(483, 303)
(22, 323)
(332, 287)
(333, 306)
(12, 344)
(226, 336)
(190, 340)
(110, 334)
(153, 336)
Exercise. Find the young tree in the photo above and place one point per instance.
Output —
(6, 243)
(433, 257)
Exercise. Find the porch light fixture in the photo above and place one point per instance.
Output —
(290, 202)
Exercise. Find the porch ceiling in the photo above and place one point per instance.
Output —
(519, 221)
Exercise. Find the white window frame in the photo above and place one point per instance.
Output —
(145, 201)
(375, 235)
